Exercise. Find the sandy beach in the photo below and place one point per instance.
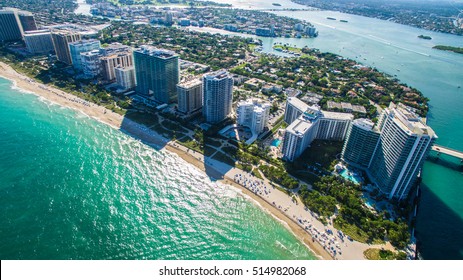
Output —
(323, 240)
(300, 233)
(300, 220)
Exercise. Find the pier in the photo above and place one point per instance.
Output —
(447, 151)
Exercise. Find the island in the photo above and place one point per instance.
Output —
(424, 37)
(449, 48)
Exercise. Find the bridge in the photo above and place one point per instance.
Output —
(447, 151)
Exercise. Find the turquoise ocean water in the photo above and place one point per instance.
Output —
(73, 188)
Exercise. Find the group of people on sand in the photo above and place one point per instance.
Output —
(327, 239)
(74, 99)
(253, 184)
(330, 241)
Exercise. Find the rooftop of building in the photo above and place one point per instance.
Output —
(365, 124)
(359, 109)
(122, 68)
(60, 31)
(299, 126)
(299, 104)
(25, 13)
(332, 104)
(189, 83)
(92, 52)
(83, 42)
(10, 10)
(37, 32)
(409, 121)
(346, 105)
(115, 54)
(256, 102)
(258, 109)
(116, 46)
(74, 28)
(337, 116)
(218, 75)
(116, 49)
(66, 27)
(156, 52)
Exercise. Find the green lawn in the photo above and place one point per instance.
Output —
(190, 143)
(161, 130)
(224, 158)
(356, 233)
(294, 49)
(383, 254)
(212, 142)
(173, 126)
(321, 153)
(209, 151)
(143, 118)
(305, 176)
(231, 151)
(245, 167)
(256, 173)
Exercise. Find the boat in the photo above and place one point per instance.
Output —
(425, 37)
(276, 4)
(331, 18)
(343, 20)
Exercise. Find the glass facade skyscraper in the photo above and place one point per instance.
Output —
(14, 22)
(157, 73)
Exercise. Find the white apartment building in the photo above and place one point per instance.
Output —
(125, 77)
(253, 113)
(311, 123)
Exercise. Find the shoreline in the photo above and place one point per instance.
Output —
(296, 229)
(224, 173)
